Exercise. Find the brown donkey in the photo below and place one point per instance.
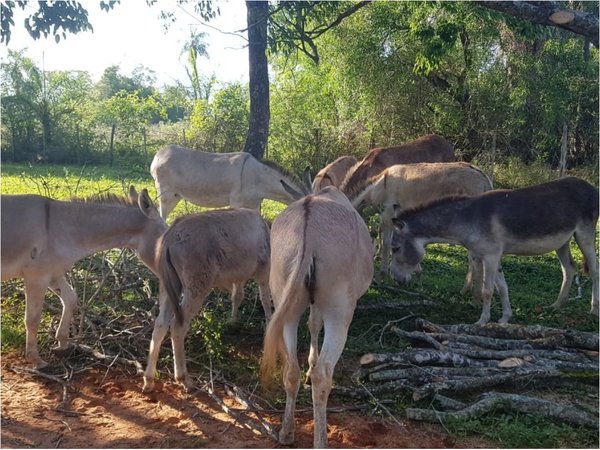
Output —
(334, 173)
(42, 239)
(222, 249)
(428, 148)
(322, 258)
(529, 221)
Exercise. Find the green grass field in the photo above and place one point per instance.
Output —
(114, 287)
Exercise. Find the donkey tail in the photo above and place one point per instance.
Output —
(299, 290)
(171, 282)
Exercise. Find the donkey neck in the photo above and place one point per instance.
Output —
(269, 183)
(90, 227)
(442, 222)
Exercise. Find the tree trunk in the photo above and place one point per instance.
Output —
(112, 141)
(562, 165)
(258, 127)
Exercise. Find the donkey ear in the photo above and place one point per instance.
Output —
(145, 203)
(133, 195)
(398, 224)
(290, 190)
(306, 177)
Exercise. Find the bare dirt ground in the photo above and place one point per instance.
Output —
(106, 409)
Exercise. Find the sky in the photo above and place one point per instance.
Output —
(133, 34)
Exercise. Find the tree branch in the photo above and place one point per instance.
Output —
(549, 14)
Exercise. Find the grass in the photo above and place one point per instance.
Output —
(534, 283)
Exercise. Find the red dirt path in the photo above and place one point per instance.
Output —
(110, 411)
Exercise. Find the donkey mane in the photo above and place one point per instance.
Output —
(283, 171)
(359, 188)
(431, 204)
(106, 199)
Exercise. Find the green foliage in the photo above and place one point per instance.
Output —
(220, 124)
(50, 18)
(523, 431)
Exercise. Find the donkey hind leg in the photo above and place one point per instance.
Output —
(35, 290)
(264, 293)
(237, 295)
(474, 279)
(315, 323)
(69, 300)
(490, 277)
(161, 326)
(502, 288)
(386, 230)
(190, 306)
(586, 241)
(334, 339)
(569, 270)
(291, 381)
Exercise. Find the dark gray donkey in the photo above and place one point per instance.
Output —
(528, 221)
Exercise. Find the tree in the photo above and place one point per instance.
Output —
(258, 129)
(194, 49)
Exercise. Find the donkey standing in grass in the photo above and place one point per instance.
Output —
(218, 179)
(428, 148)
(222, 249)
(42, 239)
(406, 186)
(528, 221)
(322, 258)
(334, 173)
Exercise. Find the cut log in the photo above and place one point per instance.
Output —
(511, 402)
(424, 357)
(429, 373)
(497, 344)
(572, 338)
(516, 375)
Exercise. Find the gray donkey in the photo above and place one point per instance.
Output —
(528, 221)
(222, 249)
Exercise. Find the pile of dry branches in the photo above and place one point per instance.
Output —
(462, 359)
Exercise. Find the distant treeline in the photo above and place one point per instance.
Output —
(387, 74)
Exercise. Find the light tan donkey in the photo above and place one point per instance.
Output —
(322, 259)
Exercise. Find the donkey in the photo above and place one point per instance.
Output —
(43, 238)
(529, 221)
(322, 258)
(333, 174)
(223, 249)
(218, 179)
(428, 148)
(406, 186)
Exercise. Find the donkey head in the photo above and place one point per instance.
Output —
(306, 186)
(154, 227)
(407, 252)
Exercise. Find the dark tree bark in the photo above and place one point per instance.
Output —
(258, 128)
(551, 14)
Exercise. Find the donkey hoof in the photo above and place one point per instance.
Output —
(286, 438)
(148, 386)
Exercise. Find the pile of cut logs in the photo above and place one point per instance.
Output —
(461, 359)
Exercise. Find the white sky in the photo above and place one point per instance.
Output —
(133, 33)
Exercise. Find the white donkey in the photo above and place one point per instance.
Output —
(42, 239)
(333, 173)
(218, 179)
(322, 258)
(406, 186)
(223, 249)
